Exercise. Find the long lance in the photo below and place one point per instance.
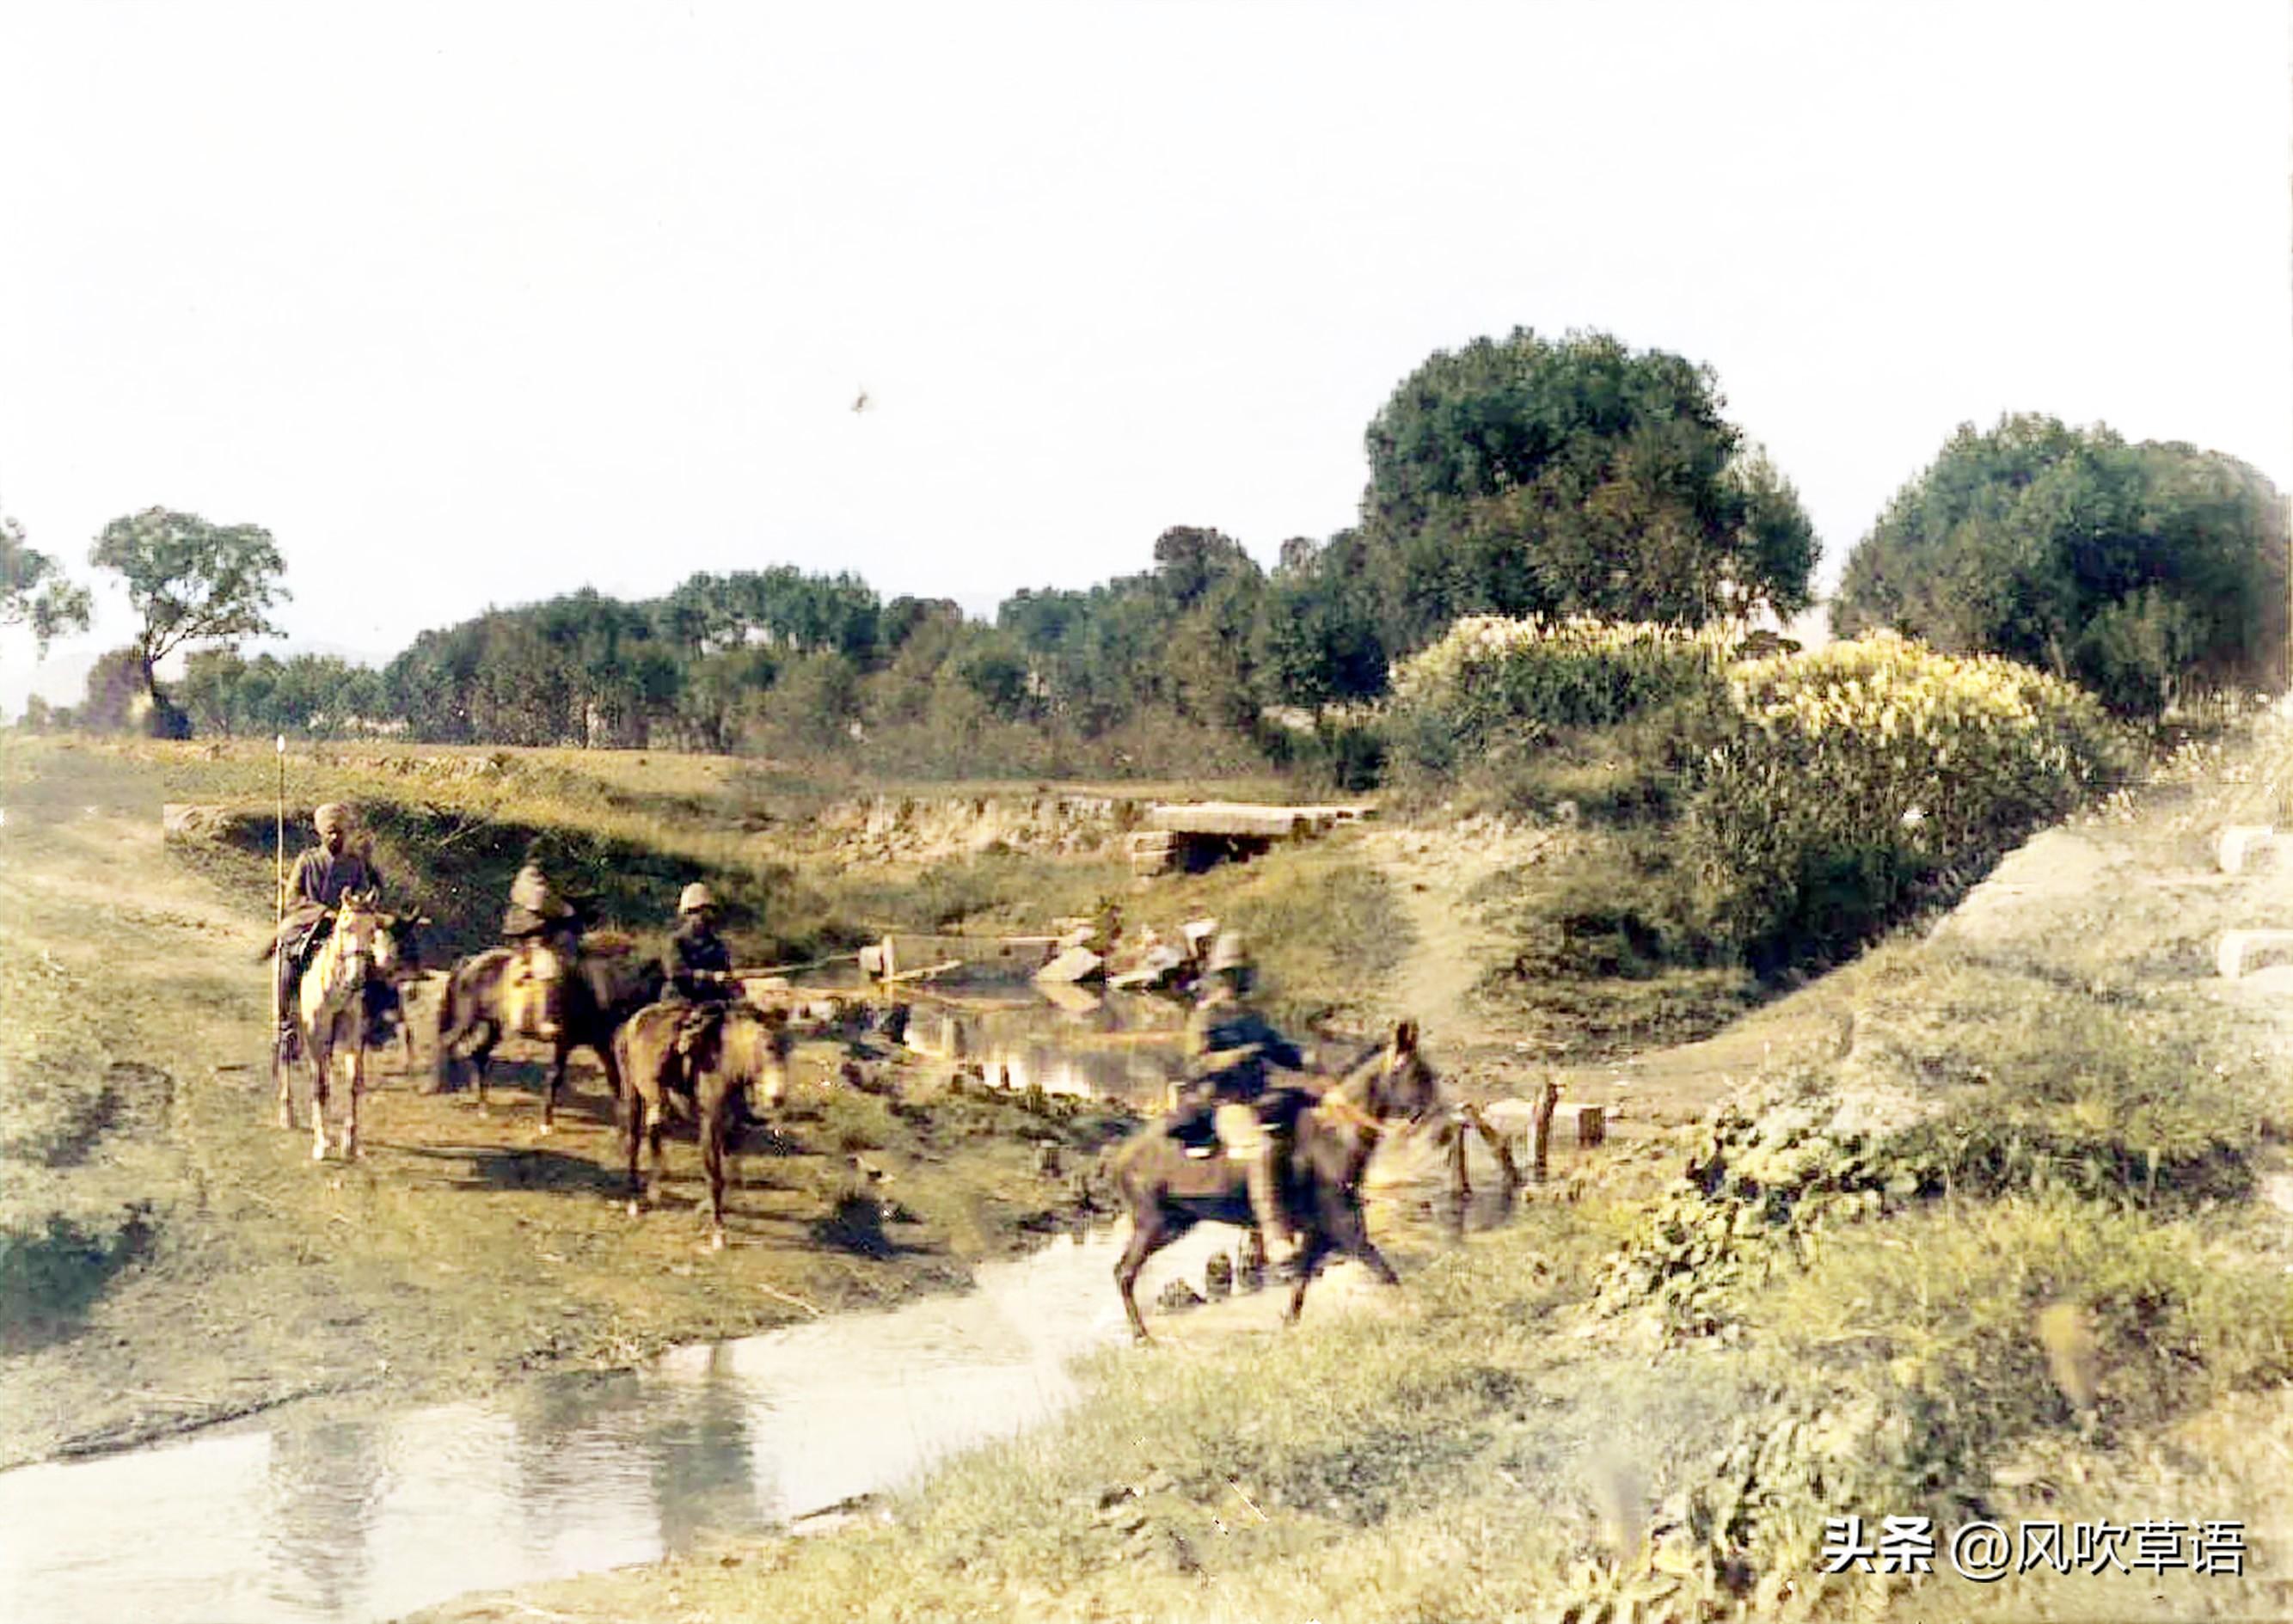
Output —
(278, 869)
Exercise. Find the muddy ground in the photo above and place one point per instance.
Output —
(198, 1265)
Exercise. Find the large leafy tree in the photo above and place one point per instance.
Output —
(35, 591)
(190, 581)
(2136, 568)
(1317, 637)
(1531, 475)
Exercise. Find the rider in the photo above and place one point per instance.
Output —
(1228, 1047)
(314, 890)
(699, 969)
(537, 913)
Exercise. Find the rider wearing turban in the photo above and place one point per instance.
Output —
(314, 890)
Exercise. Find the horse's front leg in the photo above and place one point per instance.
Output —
(1313, 1249)
(564, 1052)
(1348, 1231)
(480, 1056)
(320, 1052)
(354, 1086)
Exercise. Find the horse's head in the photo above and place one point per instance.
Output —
(360, 940)
(758, 1044)
(398, 952)
(1402, 1082)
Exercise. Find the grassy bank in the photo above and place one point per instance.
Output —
(2010, 1249)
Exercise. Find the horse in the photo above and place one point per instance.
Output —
(1335, 1127)
(330, 1013)
(750, 1047)
(578, 1005)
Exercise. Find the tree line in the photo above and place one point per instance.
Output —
(1514, 476)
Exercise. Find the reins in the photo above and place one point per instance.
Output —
(1334, 1107)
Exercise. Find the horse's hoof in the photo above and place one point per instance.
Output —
(287, 1120)
(318, 1151)
(633, 1209)
(548, 1127)
(717, 1240)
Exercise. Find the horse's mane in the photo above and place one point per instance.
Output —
(609, 943)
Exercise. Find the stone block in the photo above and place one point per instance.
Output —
(1588, 1122)
(2245, 846)
(2244, 950)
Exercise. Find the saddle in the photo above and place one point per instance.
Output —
(1195, 1126)
(697, 1027)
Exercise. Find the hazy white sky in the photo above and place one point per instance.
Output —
(474, 303)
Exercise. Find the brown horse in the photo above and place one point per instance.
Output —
(569, 1004)
(750, 1050)
(1336, 1127)
(331, 1014)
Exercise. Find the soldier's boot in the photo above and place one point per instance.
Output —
(1266, 1201)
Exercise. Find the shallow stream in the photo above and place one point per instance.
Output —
(319, 1516)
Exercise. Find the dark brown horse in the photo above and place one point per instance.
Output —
(568, 1004)
(747, 1051)
(1335, 1127)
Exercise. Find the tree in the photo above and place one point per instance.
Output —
(190, 581)
(2134, 569)
(116, 700)
(1528, 475)
(35, 591)
(1316, 638)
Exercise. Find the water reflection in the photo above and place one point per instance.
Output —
(704, 1471)
(1120, 1048)
(323, 1486)
(339, 1517)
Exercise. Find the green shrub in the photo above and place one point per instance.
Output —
(1858, 770)
(1492, 679)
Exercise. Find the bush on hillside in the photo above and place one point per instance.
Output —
(1493, 683)
(1860, 769)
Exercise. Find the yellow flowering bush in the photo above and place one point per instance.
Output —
(1860, 768)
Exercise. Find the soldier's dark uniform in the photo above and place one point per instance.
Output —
(1229, 1046)
(697, 968)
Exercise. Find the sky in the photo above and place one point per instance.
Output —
(472, 305)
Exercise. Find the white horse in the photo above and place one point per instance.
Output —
(330, 1012)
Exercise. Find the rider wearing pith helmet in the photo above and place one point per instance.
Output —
(698, 963)
(1229, 1046)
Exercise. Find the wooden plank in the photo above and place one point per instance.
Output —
(1014, 953)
